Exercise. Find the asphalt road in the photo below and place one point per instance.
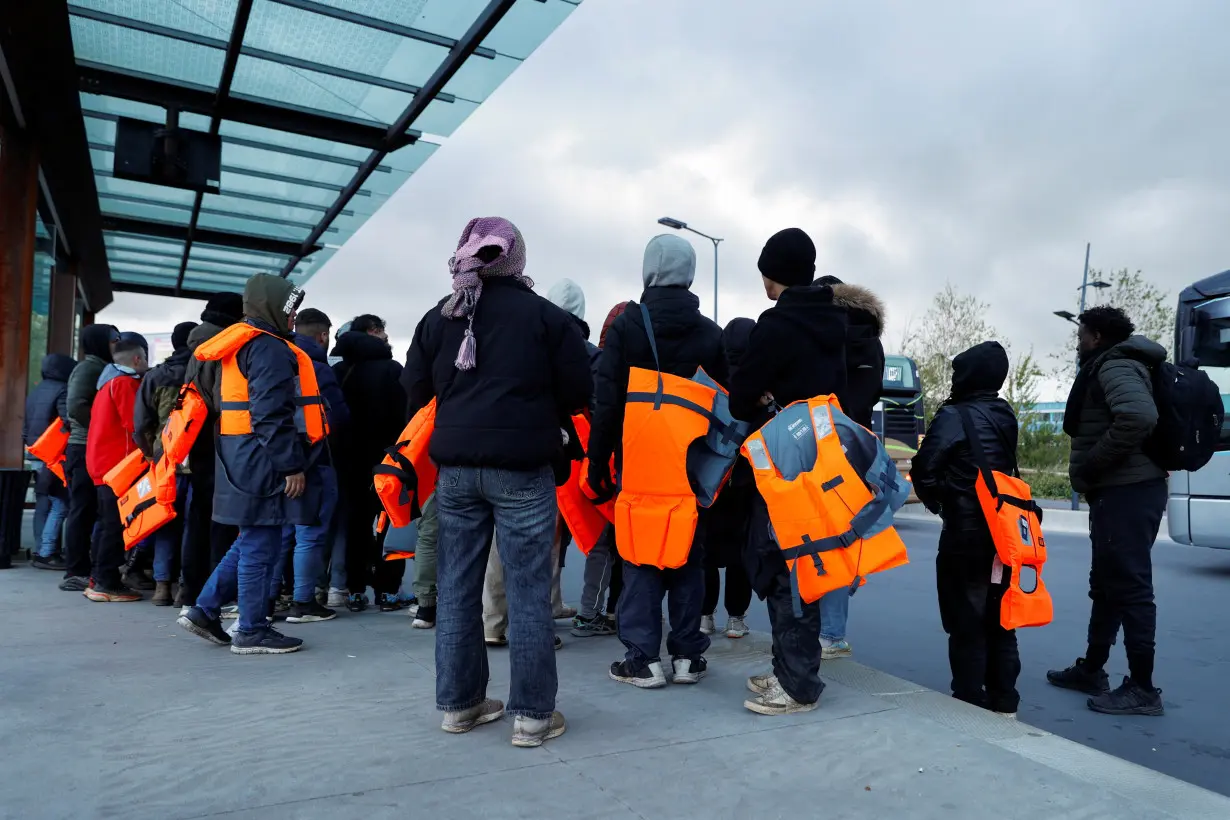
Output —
(895, 627)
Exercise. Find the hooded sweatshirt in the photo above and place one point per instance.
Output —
(49, 398)
(864, 351)
(795, 352)
(944, 471)
(370, 381)
(83, 383)
(568, 295)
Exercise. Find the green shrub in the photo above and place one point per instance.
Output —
(1048, 484)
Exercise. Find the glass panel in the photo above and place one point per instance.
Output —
(444, 118)
(145, 190)
(478, 77)
(244, 156)
(172, 214)
(147, 53)
(525, 26)
(212, 18)
(44, 266)
(95, 106)
(1212, 351)
(321, 92)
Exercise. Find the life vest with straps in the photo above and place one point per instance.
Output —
(50, 448)
(234, 415)
(667, 463)
(1015, 522)
(831, 490)
(135, 484)
(407, 475)
(184, 423)
(585, 519)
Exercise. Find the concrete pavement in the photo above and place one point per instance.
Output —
(111, 710)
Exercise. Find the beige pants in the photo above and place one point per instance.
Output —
(495, 602)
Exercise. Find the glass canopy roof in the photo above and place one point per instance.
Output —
(315, 89)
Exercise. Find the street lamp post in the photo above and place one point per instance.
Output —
(680, 225)
(1068, 317)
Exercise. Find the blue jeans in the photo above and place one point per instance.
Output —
(57, 511)
(168, 541)
(333, 576)
(518, 507)
(834, 609)
(308, 543)
(244, 574)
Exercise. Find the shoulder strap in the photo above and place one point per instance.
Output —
(975, 448)
(653, 347)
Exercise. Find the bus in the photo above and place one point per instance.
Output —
(1199, 511)
(898, 418)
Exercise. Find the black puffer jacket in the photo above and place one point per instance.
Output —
(944, 470)
(796, 352)
(1110, 415)
(532, 373)
(727, 523)
(864, 351)
(49, 398)
(371, 384)
(686, 341)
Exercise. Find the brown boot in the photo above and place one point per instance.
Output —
(162, 593)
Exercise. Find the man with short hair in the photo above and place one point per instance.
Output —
(110, 441)
(1109, 416)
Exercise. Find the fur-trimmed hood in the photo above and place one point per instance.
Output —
(858, 299)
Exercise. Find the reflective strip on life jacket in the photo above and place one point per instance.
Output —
(1015, 522)
(585, 519)
(140, 512)
(407, 476)
(234, 416)
(50, 447)
(821, 516)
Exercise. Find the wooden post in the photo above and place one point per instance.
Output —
(18, 211)
(63, 312)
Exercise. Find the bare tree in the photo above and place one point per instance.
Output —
(1149, 307)
(953, 323)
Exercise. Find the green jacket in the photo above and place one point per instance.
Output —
(82, 387)
(1116, 415)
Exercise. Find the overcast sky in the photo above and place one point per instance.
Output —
(917, 142)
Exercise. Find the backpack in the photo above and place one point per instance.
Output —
(1189, 418)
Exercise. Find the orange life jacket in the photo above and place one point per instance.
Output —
(123, 475)
(234, 418)
(141, 514)
(50, 447)
(1015, 522)
(407, 476)
(585, 519)
(179, 434)
(822, 515)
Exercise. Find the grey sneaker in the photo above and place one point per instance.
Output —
(736, 627)
(837, 649)
(761, 683)
(777, 702)
(707, 625)
(458, 723)
(337, 598)
(530, 732)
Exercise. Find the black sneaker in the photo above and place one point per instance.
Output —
(1129, 699)
(203, 626)
(265, 642)
(597, 626)
(308, 613)
(357, 602)
(649, 676)
(50, 562)
(75, 583)
(1080, 678)
(689, 670)
(389, 602)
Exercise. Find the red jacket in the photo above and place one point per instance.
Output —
(111, 426)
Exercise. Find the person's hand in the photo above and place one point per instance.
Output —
(295, 485)
(600, 483)
(766, 399)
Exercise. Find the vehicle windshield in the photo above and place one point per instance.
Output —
(1212, 350)
(899, 373)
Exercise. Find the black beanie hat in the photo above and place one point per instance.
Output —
(789, 258)
(225, 304)
(829, 281)
(179, 336)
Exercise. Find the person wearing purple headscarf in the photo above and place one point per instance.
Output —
(507, 369)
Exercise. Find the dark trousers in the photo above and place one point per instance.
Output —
(108, 548)
(1123, 524)
(639, 617)
(207, 541)
(796, 637)
(365, 564)
(738, 589)
(82, 513)
(982, 654)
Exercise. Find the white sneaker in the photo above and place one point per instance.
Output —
(529, 733)
(761, 683)
(777, 702)
(233, 628)
(707, 625)
(457, 723)
(184, 611)
(689, 671)
(337, 597)
(736, 627)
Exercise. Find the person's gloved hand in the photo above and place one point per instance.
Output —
(600, 483)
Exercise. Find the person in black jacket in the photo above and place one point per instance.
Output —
(686, 340)
(864, 350)
(48, 402)
(796, 352)
(507, 368)
(371, 385)
(726, 527)
(970, 580)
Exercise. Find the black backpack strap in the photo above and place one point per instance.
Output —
(975, 448)
(653, 347)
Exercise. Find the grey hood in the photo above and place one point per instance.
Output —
(670, 261)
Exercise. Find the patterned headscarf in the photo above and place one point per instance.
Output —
(469, 271)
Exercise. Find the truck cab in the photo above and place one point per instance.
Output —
(898, 418)
(1199, 511)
